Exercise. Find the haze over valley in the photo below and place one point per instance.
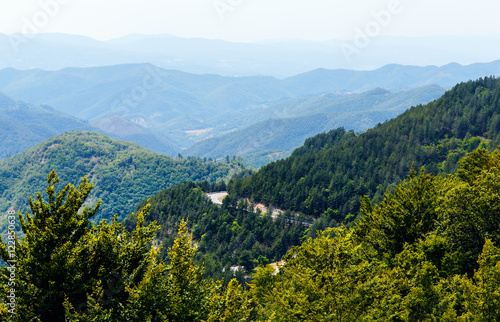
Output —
(207, 115)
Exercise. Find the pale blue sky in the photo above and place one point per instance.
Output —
(250, 20)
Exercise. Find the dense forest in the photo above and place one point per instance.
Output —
(232, 239)
(400, 223)
(124, 173)
(427, 252)
(321, 176)
(233, 235)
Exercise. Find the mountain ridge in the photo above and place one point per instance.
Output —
(168, 100)
(124, 173)
(316, 114)
(280, 58)
(319, 178)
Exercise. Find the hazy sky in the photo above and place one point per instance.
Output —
(249, 20)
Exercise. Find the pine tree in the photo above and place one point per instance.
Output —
(69, 269)
(188, 293)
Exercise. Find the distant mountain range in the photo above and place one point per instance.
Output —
(172, 112)
(23, 125)
(279, 58)
(316, 114)
(393, 77)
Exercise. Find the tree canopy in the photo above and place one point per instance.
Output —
(333, 169)
(68, 269)
(428, 251)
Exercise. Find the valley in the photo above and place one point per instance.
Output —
(324, 183)
(171, 112)
(191, 177)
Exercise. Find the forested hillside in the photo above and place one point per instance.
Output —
(123, 173)
(235, 237)
(318, 176)
(325, 178)
(287, 124)
(427, 252)
(232, 238)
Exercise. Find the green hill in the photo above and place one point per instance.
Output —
(123, 173)
(326, 178)
(233, 238)
(318, 176)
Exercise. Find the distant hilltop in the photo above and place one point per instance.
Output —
(278, 58)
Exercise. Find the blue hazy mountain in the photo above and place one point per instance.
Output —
(313, 115)
(169, 111)
(279, 58)
(23, 125)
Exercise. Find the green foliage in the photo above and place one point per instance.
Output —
(66, 264)
(123, 173)
(482, 295)
(232, 304)
(425, 253)
(402, 217)
(230, 235)
(321, 175)
(188, 293)
(68, 269)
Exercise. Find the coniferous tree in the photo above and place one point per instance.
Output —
(66, 267)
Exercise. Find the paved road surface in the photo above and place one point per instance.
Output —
(217, 197)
